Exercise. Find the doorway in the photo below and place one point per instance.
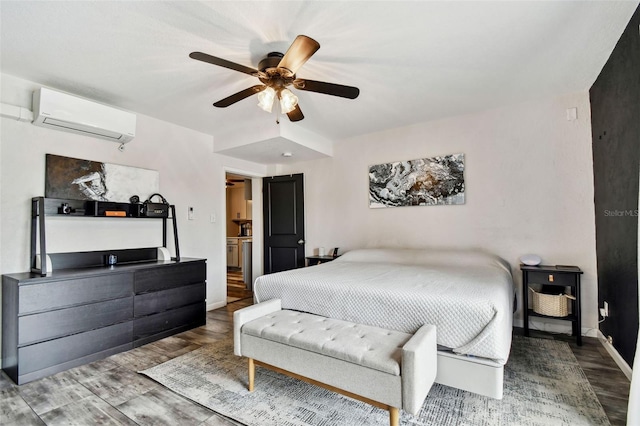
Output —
(239, 225)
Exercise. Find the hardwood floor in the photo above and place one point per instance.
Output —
(606, 378)
(236, 288)
(110, 391)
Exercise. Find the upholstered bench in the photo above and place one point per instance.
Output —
(387, 369)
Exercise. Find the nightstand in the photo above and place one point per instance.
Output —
(316, 260)
(564, 277)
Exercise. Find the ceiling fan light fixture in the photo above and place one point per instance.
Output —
(288, 101)
(275, 72)
(266, 98)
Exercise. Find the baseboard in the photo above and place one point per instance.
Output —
(615, 355)
(215, 305)
(560, 327)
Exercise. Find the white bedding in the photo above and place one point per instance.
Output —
(468, 295)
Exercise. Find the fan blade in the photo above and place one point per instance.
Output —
(296, 114)
(349, 92)
(299, 52)
(230, 100)
(222, 63)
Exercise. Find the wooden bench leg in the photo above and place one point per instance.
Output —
(394, 412)
(394, 416)
(252, 374)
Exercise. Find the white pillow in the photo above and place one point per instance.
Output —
(424, 256)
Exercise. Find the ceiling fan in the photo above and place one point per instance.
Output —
(277, 72)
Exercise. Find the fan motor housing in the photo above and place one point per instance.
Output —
(270, 61)
(273, 76)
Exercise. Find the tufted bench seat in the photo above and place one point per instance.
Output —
(388, 369)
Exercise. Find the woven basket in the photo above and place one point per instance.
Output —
(553, 305)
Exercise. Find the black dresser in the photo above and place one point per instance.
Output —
(76, 316)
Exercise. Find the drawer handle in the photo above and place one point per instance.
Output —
(550, 278)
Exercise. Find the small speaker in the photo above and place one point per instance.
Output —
(530, 259)
(48, 263)
(163, 254)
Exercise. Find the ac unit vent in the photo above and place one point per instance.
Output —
(65, 112)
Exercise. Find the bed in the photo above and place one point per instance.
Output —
(468, 295)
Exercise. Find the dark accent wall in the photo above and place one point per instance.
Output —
(615, 120)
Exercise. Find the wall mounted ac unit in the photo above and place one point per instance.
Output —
(61, 111)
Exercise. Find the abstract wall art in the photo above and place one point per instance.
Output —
(72, 178)
(423, 182)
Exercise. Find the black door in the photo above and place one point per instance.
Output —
(283, 198)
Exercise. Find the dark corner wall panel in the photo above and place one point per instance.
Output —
(615, 120)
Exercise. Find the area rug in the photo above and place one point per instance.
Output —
(544, 385)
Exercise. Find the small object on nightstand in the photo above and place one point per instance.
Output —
(316, 260)
(530, 259)
(568, 267)
(557, 277)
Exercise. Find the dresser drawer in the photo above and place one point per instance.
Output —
(560, 279)
(170, 276)
(59, 294)
(46, 354)
(154, 324)
(159, 301)
(63, 322)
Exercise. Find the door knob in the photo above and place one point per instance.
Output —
(300, 241)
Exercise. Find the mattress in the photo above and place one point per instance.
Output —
(467, 295)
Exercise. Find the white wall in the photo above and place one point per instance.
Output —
(190, 175)
(529, 189)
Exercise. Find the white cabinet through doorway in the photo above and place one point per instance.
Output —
(233, 258)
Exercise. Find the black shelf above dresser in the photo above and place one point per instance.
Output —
(42, 207)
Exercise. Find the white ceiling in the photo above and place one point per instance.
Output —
(413, 61)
